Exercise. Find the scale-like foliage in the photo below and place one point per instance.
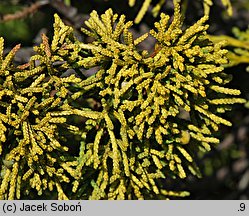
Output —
(140, 118)
(156, 9)
(143, 98)
(33, 111)
(238, 47)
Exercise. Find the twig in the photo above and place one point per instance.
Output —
(25, 12)
(69, 13)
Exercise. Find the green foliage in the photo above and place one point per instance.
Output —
(67, 2)
(120, 132)
(25, 29)
(20, 27)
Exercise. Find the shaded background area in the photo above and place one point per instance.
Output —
(226, 168)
